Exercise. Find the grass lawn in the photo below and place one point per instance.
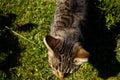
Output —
(23, 56)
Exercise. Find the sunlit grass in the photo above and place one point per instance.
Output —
(32, 21)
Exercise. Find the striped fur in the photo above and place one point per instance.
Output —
(64, 42)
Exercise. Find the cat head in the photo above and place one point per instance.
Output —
(64, 57)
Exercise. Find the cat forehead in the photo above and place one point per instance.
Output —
(67, 44)
(65, 51)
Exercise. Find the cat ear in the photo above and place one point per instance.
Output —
(51, 42)
(81, 55)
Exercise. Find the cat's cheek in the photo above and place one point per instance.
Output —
(50, 53)
(54, 72)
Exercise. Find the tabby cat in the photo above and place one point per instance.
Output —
(64, 42)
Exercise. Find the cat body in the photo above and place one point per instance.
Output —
(64, 42)
(68, 16)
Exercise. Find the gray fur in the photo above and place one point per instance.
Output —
(63, 41)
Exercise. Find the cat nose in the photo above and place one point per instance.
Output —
(60, 75)
(63, 76)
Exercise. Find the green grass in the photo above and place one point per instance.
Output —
(110, 9)
(22, 60)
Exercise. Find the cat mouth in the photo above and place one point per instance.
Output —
(61, 75)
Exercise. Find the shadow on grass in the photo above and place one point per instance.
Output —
(9, 45)
(27, 27)
(101, 43)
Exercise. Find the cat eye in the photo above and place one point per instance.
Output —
(55, 66)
